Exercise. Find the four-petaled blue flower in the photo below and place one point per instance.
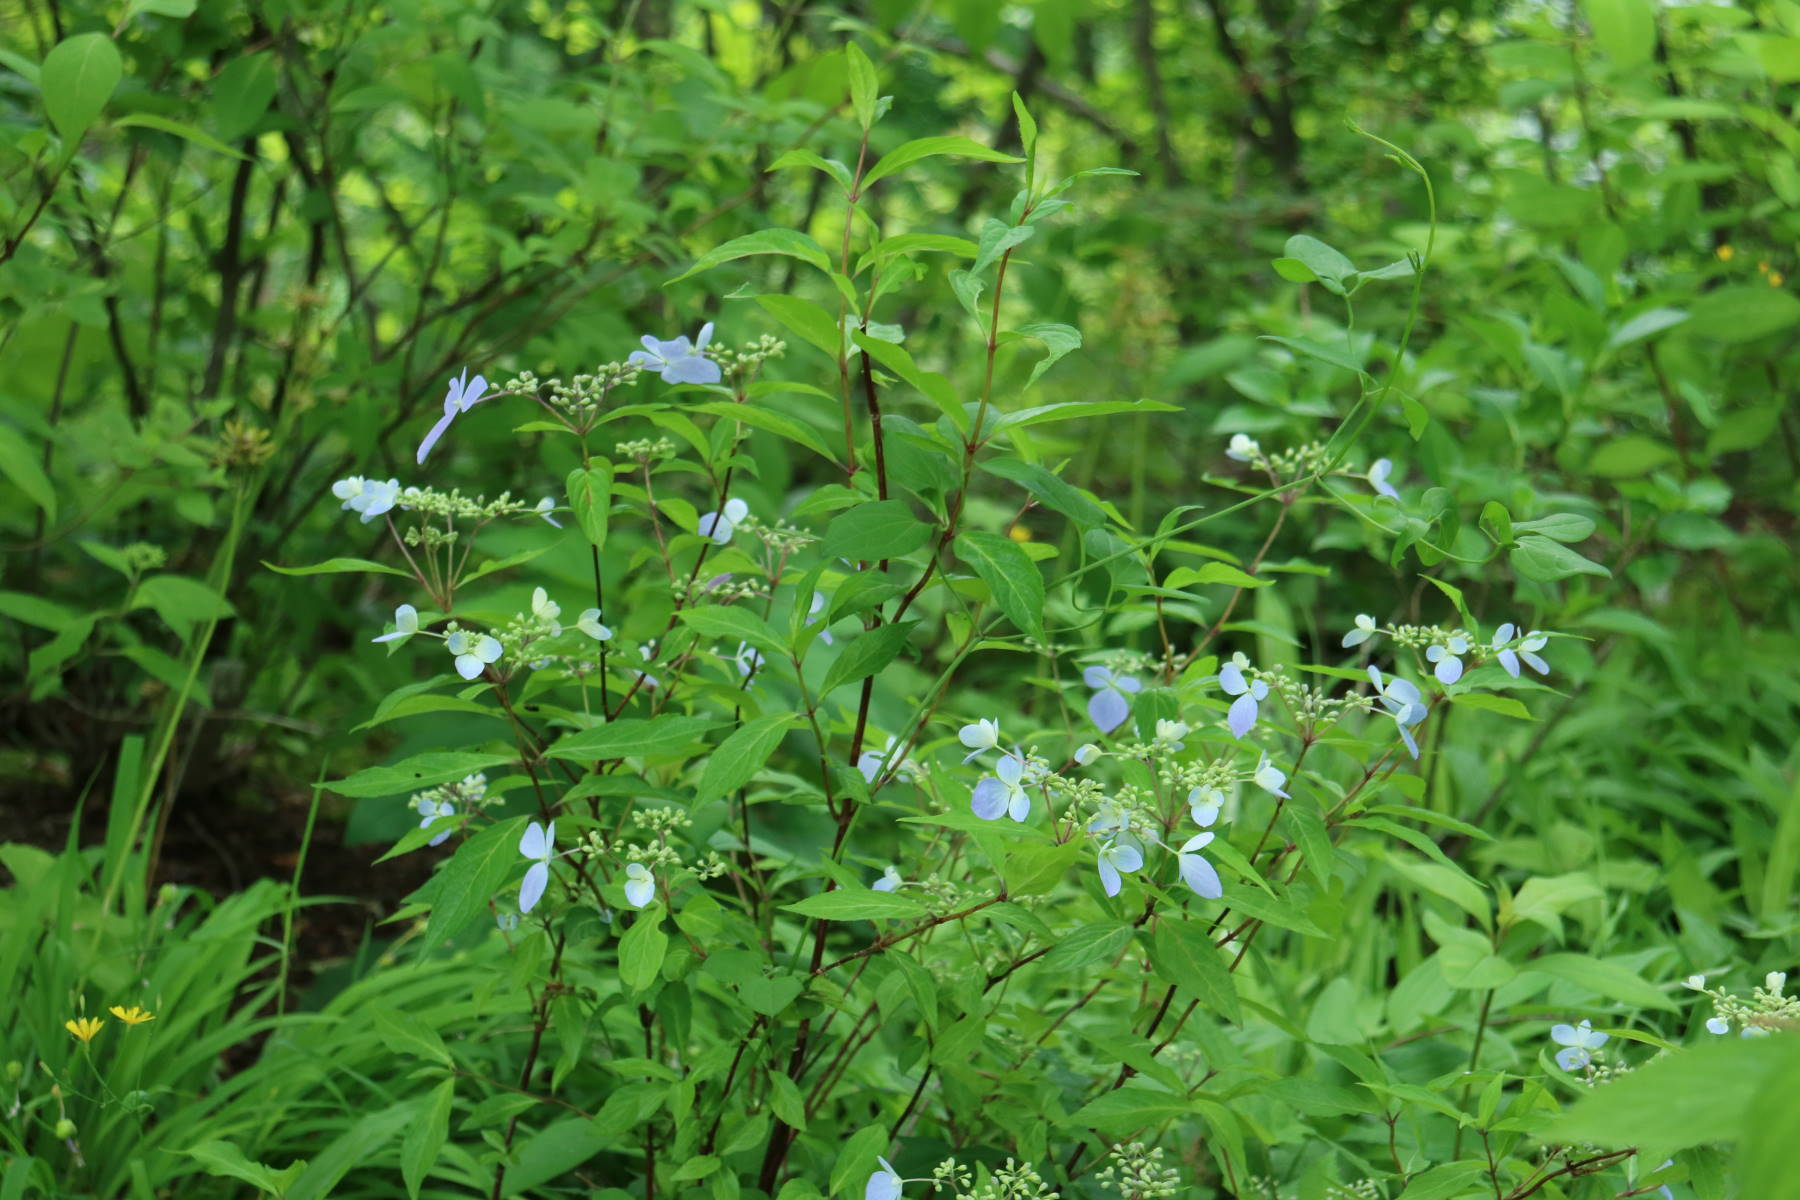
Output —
(1365, 629)
(889, 881)
(1204, 804)
(1123, 853)
(1242, 717)
(1111, 704)
(406, 623)
(367, 497)
(544, 508)
(1270, 778)
(1402, 701)
(1242, 447)
(431, 810)
(1003, 792)
(1379, 470)
(870, 762)
(979, 736)
(640, 885)
(539, 845)
(678, 361)
(1580, 1041)
(1509, 656)
(883, 1184)
(464, 394)
(1196, 872)
(1449, 667)
(719, 526)
(589, 623)
(473, 652)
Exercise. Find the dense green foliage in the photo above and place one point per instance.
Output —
(1085, 368)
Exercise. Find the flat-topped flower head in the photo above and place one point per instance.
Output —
(474, 652)
(640, 885)
(979, 736)
(889, 881)
(1269, 778)
(464, 394)
(1119, 857)
(883, 1184)
(1509, 655)
(1242, 715)
(1447, 655)
(1196, 872)
(1204, 804)
(719, 526)
(1379, 470)
(1002, 792)
(544, 508)
(538, 844)
(1365, 629)
(589, 623)
(1243, 448)
(678, 361)
(1111, 704)
(406, 623)
(1579, 1041)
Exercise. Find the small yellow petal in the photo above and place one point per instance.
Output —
(85, 1028)
(133, 1015)
(1774, 278)
(1725, 253)
(1019, 533)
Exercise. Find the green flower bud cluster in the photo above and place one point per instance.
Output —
(1137, 1172)
(1300, 460)
(1418, 637)
(741, 365)
(1011, 1181)
(645, 450)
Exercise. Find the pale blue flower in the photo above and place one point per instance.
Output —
(1269, 778)
(870, 762)
(678, 361)
(1170, 733)
(1718, 1025)
(1002, 792)
(464, 394)
(648, 654)
(747, 658)
(889, 881)
(1580, 1041)
(1379, 470)
(1087, 754)
(719, 526)
(368, 498)
(589, 623)
(1204, 804)
(1243, 448)
(431, 810)
(640, 885)
(1242, 716)
(1196, 872)
(1123, 853)
(1111, 704)
(473, 652)
(1446, 654)
(883, 1184)
(406, 623)
(546, 610)
(979, 736)
(1527, 649)
(1365, 629)
(1402, 700)
(544, 508)
(814, 614)
(539, 845)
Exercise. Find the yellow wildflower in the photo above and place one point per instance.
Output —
(1019, 533)
(1725, 253)
(85, 1028)
(1774, 278)
(133, 1015)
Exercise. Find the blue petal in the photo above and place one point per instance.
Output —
(1242, 717)
(1199, 875)
(989, 799)
(1449, 669)
(1108, 709)
(532, 889)
(1109, 877)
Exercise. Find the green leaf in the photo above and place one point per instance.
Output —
(777, 423)
(1036, 869)
(1506, 706)
(915, 243)
(181, 602)
(1088, 945)
(340, 566)
(1743, 313)
(1629, 456)
(875, 530)
(854, 1164)
(590, 499)
(997, 237)
(1129, 1108)
(1625, 29)
(805, 319)
(929, 384)
(426, 1136)
(1538, 558)
(632, 737)
(1076, 409)
(790, 243)
(221, 1158)
(1336, 356)
(186, 132)
(460, 891)
(178, 9)
(77, 80)
(241, 94)
(1182, 952)
(1323, 261)
(1213, 572)
(19, 464)
(857, 904)
(1444, 1181)
(1051, 490)
(641, 950)
(1028, 129)
(1561, 527)
(742, 755)
(729, 622)
(1645, 325)
(36, 610)
(863, 84)
(408, 1036)
(1013, 579)
(907, 153)
(1059, 340)
(1601, 978)
(868, 653)
(806, 158)
(1705, 1093)
(415, 774)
